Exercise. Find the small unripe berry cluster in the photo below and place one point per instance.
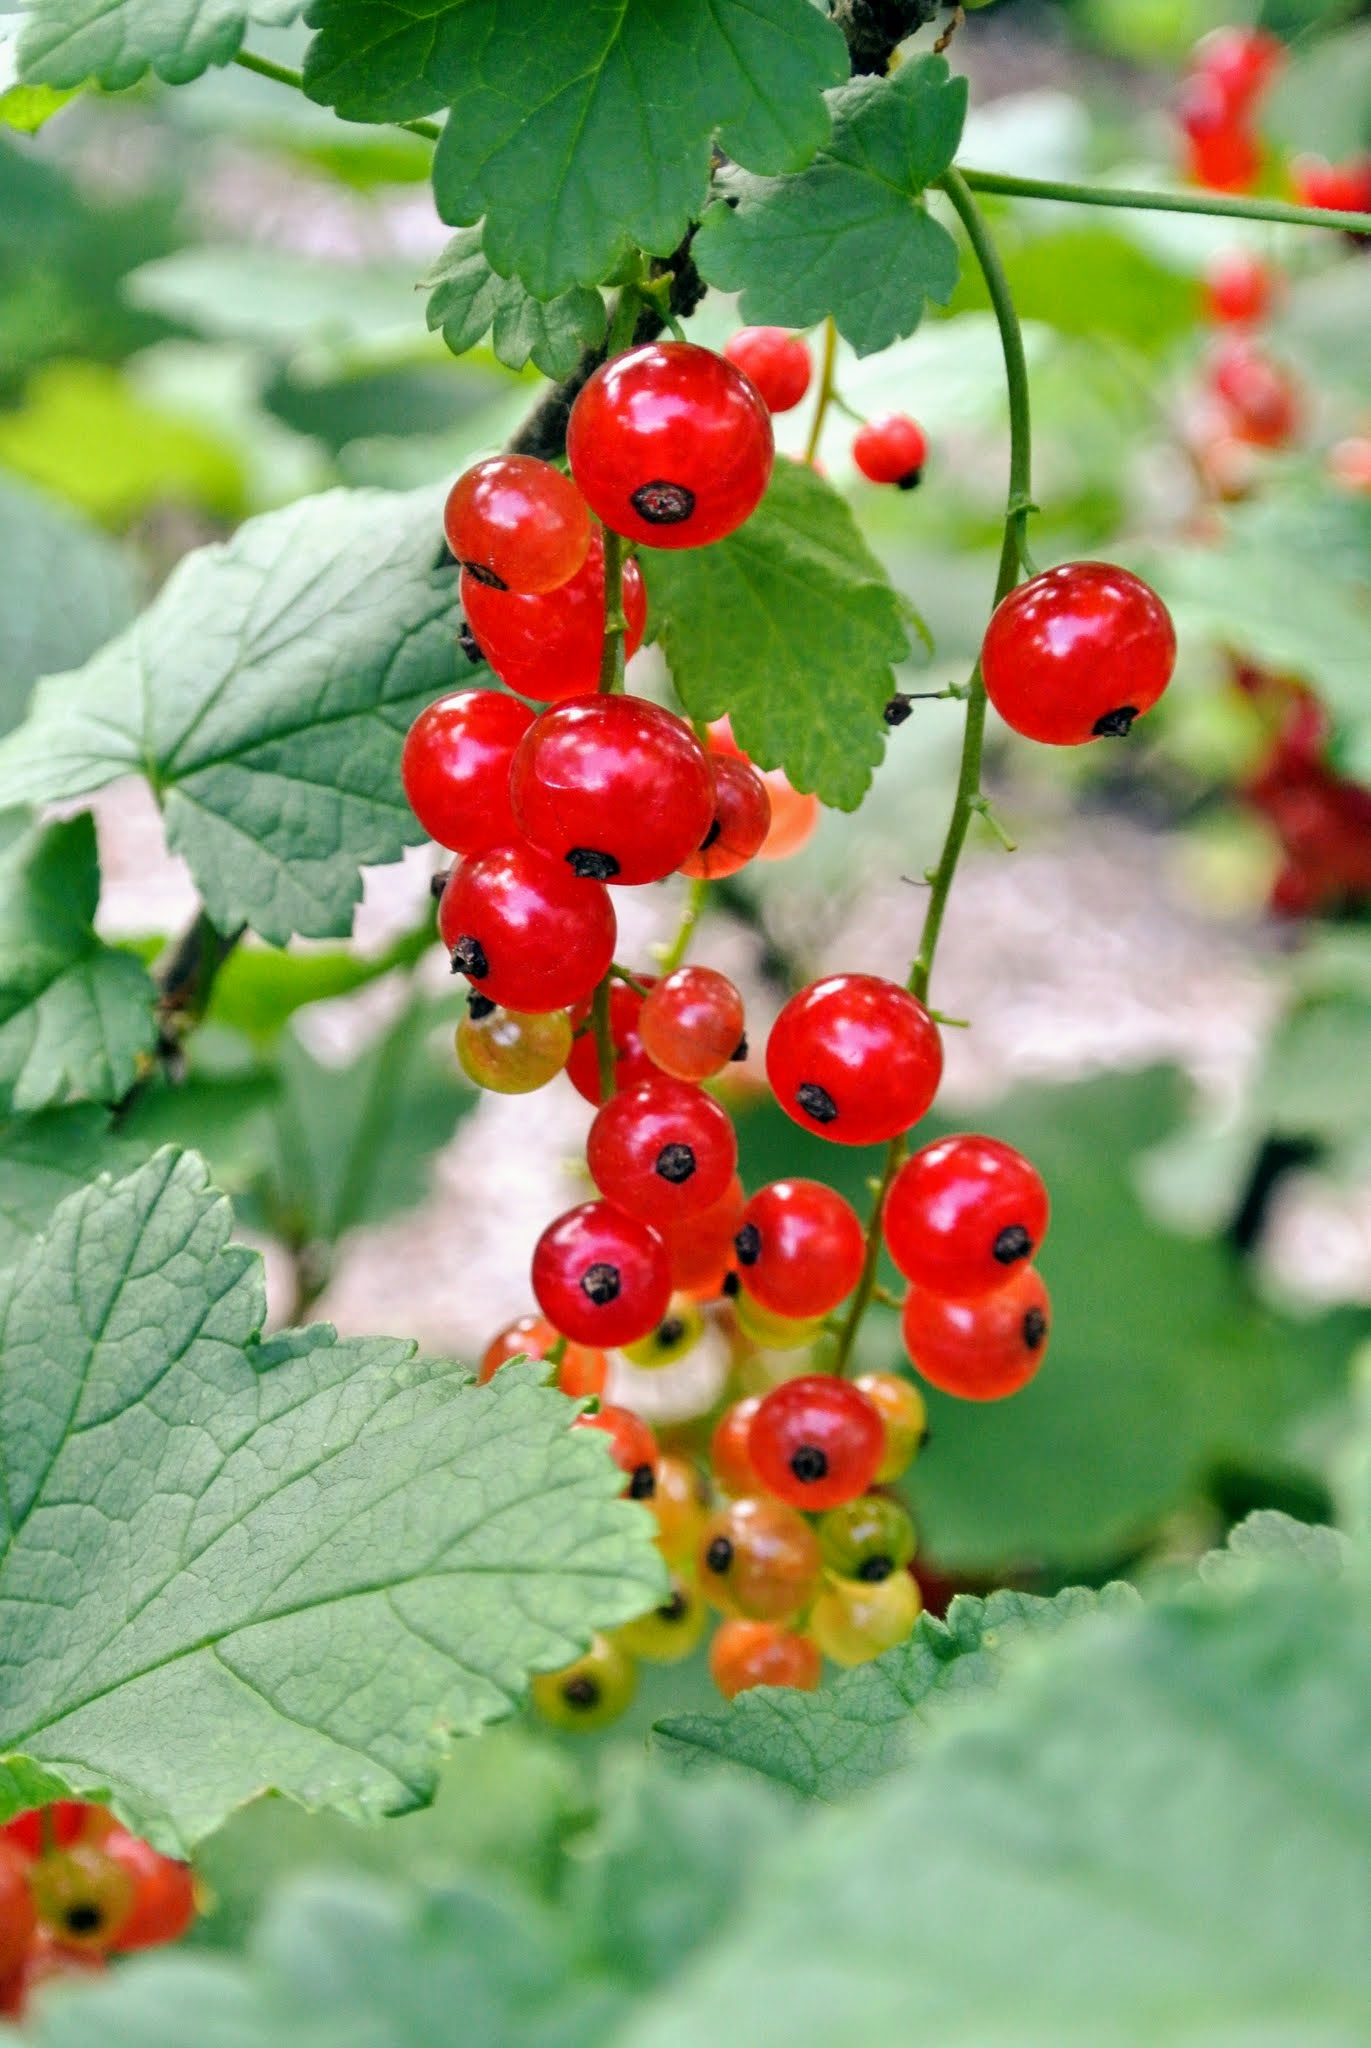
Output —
(76, 1888)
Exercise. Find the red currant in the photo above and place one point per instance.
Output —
(663, 1150)
(525, 931)
(602, 1277)
(891, 450)
(748, 1653)
(1239, 63)
(904, 1417)
(57, 1826)
(1077, 654)
(700, 1248)
(1260, 398)
(163, 1893)
(680, 1502)
(631, 1063)
(800, 1248)
(691, 1023)
(582, 1370)
(18, 1920)
(793, 815)
(1238, 289)
(962, 1212)
(517, 524)
(777, 361)
(548, 647)
(816, 1441)
(979, 1350)
(855, 1058)
(82, 1895)
(670, 444)
(1222, 154)
(1340, 188)
(759, 1558)
(618, 788)
(729, 1456)
(455, 768)
(632, 1446)
(512, 1052)
(741, 823)
(1349, 463)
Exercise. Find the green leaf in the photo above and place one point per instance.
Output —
(47, 1156)
(1268, 1541)
(115, 42)
(231, 1566)
(24, 108)
(469, 300)
(873, 1719)
(582, 132)
(850, 235)
(75, 1015)
(64, 589)
(1088, 282)
(266, 694)
(791, 627)
(1157, 1835)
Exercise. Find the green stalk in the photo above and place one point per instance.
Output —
(1139, 199)
(283, 75)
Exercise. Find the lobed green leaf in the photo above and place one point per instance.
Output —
(116, 42)
(468, 300)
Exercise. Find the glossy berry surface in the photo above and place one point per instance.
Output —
(979, 1350)
(962, 1213)
(583, 1368)
(663, 1150)
(793, 814)
(748, 1653)
(1238, 289)
(729, 1456)
(853, 1621)
(800, 1248)
(1260, 398)
(904, 1418)
(670, 1632)
(891, 450)
(631, 1063)
(670, 445)
(632, 1446)
(758, 1558)
(700, 1248)
(855, 1058)
(777, 361)
(548, 647)
(1078, 653)
(163, 1893)
(680, 1503)
(816, 1441)
(524, 930)
(517, 524)
(618, 788)
(512, 1052)
(601, 1276)
(691, 1023)
(867, 1538)
(741, 824)
(82, 1895)
(455, 768)
(590, 1693)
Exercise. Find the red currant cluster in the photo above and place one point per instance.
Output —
(890, 450)
(75, 1888)
(1229, 72)
(1322, 820)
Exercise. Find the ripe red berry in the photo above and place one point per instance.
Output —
(700, 1248)
(1340, 188)
(816, 1441)
(1221, 151)
(670, 445)
(455, 768)
(18, 1920)
(748, 1653)
(979, 1350)
(741, 822)
(777, 361)
(517, 524)
(729, 1457)
(82, 1895)
(1260, 398)
(663, 1150)
(632, 1446)
(631, 1063)
(891, 450)
(1077, 654)
(1238, 289)
(601, 1276)
(758, 1558)
(57, 1826)
(1239, 63)
(1349, 464)
(855, 1058)
(582, 1371)
(163, 1893)
(548, 647)
(618, 788)
(525, 930)
(691, 1023)
(962, 1213)
(800, 1248)
(793, 814)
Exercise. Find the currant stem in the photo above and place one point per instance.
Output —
(604, 1038)
(826, 392)
(612, 649)
(675, 953)
(1138, 198)
(283, 75)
